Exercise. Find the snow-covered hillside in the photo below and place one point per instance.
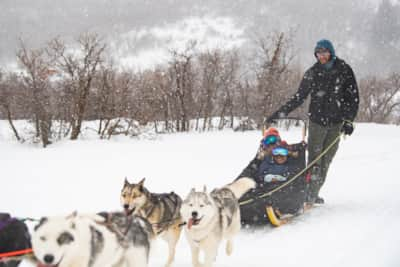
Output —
(358, 225)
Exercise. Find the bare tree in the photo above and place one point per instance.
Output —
(160, 98)
(210, 64)
(103, 100)
(78, 68)
(35, 79)
(228, 87)
(271, 73)
(181, 73)
(245, 93)
(146, 98)
(379, 98)
(8, 99)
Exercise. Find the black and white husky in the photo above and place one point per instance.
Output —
(96, 240)
(211, 217)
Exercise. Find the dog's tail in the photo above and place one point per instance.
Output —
(241, 186)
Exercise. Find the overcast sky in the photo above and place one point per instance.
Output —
(140, 32)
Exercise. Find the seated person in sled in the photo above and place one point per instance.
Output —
(270, 141)
(273, 168)
(275, 163)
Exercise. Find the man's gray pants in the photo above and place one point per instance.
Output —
(319, 138)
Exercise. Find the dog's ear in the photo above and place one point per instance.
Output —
(204, 189)
(73, 215)
(192, 191)
(140, 184)
(42, 221)
(126, 181)
(142, 181)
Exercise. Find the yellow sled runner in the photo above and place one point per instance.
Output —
(275, 217)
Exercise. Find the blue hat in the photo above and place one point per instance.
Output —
(324, 43)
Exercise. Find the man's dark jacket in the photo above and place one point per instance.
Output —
(334, 94)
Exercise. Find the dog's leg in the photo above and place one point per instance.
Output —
(172, 237)
(229, 247)
(210, 254)
(137, 257)
(195, 255)
(231, 232)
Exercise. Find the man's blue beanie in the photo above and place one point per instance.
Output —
(324, 43)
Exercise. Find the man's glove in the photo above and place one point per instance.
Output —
(347, 128)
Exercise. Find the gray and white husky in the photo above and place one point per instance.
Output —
(96, 240)
(212, 217)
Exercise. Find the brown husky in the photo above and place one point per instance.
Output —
(161, 210)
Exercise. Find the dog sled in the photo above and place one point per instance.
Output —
(277, 202)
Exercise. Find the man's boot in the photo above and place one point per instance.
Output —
(315, 178)
(319, 200)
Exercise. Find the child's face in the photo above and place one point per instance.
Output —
(280, 159)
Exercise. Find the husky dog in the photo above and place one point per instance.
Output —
(213, 217)
(96, 240)
(161, 210)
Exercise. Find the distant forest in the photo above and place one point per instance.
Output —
(67, 81)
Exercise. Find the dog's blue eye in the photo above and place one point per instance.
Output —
(43, 238)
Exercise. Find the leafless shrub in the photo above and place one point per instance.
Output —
(380, 99)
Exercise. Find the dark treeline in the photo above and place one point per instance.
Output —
(61, 86)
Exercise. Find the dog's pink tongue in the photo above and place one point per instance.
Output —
(190, 223)
(43, 265)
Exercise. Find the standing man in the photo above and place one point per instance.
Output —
(333, 108)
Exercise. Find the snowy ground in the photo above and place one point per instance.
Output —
(358, 225)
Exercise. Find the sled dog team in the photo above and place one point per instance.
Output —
(123, 239)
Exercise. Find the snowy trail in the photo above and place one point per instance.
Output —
(358, 225)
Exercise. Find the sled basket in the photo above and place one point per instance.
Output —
(287, 200)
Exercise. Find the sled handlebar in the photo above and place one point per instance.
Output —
(304, 130)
